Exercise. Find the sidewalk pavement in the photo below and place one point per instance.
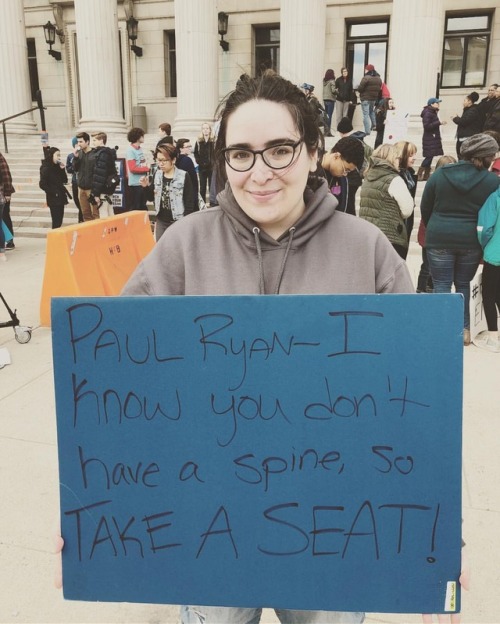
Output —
(29, 474)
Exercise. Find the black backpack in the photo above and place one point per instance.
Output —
(112, 177)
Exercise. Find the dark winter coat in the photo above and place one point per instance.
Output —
(431, 140)
(52, 181)
(104, 167)
(370, 86)
(493, 117)
(450, 204)
(470, 123)
(204, 154)
(344, 87)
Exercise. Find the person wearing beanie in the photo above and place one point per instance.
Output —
(369, 89)
(74, 181)
(355, 177)
(470, 122)
(431, 139)
(450, 205)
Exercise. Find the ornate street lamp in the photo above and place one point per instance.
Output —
(132, 27)
(222, 20)
(49, 31)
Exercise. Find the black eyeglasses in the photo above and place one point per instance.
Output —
(276, 157)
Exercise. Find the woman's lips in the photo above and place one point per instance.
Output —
(263, 195)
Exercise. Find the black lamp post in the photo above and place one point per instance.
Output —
(49, 31)
(222, 21)
(132, 27)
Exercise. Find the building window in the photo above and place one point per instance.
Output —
(367, 43)
(465, 50)
(267, 48)
(32, 68)
(170, 64)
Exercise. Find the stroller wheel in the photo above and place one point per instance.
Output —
(23, 334)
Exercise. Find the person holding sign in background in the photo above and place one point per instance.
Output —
(276, 231)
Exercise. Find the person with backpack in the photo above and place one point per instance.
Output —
(369, 93)
(104, 177)
(318, 109)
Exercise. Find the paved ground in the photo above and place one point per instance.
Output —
(29, 478)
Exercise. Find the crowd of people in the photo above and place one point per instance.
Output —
(178, 178)
(286, 217)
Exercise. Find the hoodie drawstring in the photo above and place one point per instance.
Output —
(256, 232)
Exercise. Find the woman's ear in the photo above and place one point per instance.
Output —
(314, 162)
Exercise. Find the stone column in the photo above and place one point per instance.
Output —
(15, 92)
(415, 50)
(197, 53)
(302, 44)
(99, 65)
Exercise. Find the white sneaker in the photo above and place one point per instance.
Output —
(484, 341)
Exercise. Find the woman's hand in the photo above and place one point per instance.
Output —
(58, 546)
(464, 581)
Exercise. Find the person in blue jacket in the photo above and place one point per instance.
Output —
(488, 230)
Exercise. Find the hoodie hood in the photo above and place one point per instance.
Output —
(320, 205)
(463, 176)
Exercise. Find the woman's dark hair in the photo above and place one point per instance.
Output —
(49, 153)
(272, 88)
(180, 144)
(473, 97)
(168, 150)
(329, 75)
(351, 150)
(134, 134)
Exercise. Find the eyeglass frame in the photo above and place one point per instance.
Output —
(255, 153)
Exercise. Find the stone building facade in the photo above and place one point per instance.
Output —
(418, 47)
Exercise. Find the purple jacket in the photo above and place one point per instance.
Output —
(431, 140)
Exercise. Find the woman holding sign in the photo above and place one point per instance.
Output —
(275, 231)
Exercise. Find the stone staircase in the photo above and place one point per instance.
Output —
(30, 215)
(29, 212)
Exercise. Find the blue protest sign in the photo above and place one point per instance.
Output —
(298, 452)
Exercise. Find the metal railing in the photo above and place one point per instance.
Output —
(39, 107)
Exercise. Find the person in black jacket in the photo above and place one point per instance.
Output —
(104, 169)
(52, 180)
(204, 155)
(471, 121)
(345, 95)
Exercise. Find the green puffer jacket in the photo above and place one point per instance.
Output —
(377, 206)
(450, 204)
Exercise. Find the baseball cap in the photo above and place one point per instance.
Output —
(433, 101)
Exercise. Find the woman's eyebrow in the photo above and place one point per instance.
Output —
(271, 143)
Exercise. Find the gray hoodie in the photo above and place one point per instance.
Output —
(221, 251)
